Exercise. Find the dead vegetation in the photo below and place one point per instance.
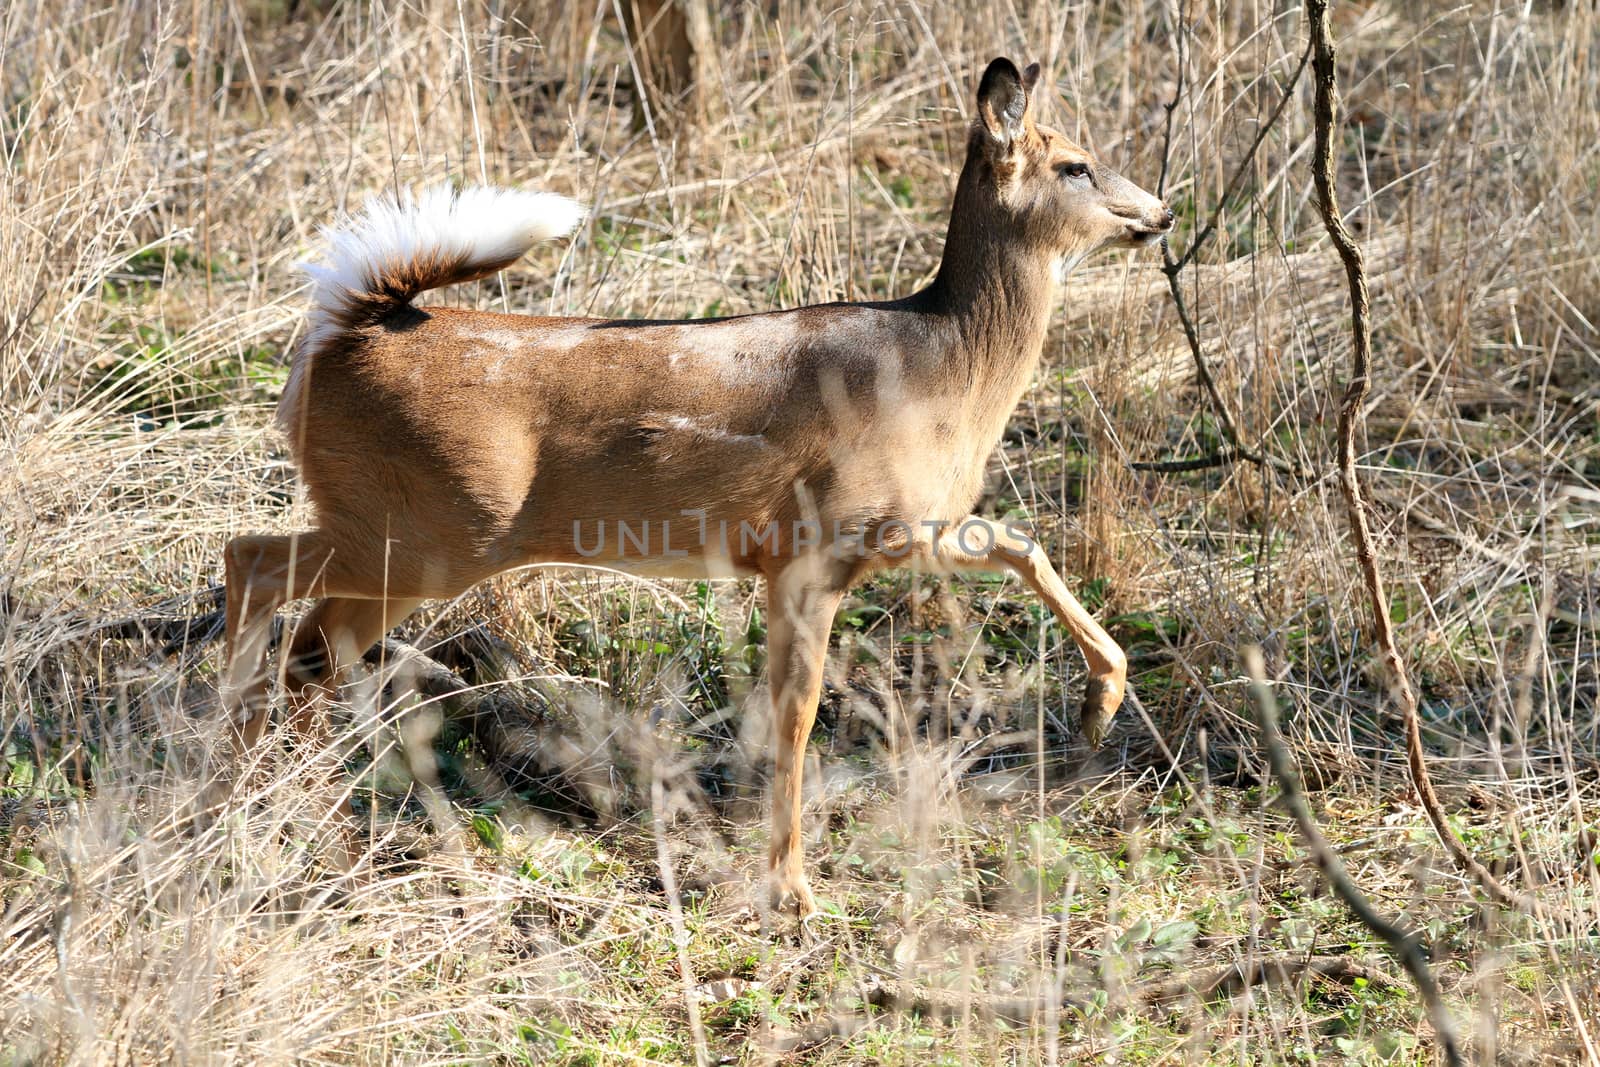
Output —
(570, 845)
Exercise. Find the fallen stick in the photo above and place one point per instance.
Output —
(1406, 946)
(891, 996)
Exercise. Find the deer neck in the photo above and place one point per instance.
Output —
(996, 287)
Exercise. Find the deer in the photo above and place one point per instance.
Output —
(807, 447)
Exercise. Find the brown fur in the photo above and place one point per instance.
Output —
(441, 447)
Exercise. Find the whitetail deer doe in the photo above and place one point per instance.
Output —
(810, 447)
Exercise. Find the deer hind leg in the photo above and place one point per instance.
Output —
(328, 641)
(978, 544)
(264, 573)
(331, 639)
(801, 604)
(260, 572)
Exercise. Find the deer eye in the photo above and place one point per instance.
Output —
(1073, 170)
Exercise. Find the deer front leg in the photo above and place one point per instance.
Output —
(800, 610)
(978, 544)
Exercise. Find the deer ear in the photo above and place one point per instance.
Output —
(1003, 101)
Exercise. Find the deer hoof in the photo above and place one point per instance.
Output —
(791, 895)
(1101, 698)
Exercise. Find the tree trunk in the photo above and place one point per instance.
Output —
(672, 49)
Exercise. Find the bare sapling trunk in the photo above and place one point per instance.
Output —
(1350, 421)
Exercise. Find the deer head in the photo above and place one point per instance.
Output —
(1050, 191)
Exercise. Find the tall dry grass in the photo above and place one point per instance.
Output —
(164, 167)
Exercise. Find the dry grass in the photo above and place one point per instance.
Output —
(995, 892)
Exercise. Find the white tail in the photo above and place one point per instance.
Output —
(397, 248)
(809, 447)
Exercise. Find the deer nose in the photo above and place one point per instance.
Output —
(1168, 217)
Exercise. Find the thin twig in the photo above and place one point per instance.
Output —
(1406, 946)
(1350, 420)
(1172, 105)
(1230, 432)
(1173, 267)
